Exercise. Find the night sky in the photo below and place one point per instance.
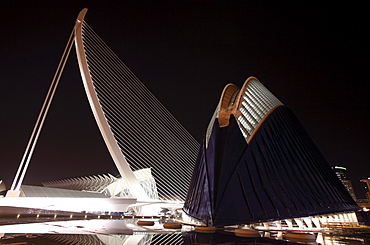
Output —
(311, 56)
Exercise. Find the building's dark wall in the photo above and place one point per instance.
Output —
(280, 174)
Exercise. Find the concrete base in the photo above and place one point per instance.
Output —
(11, 193)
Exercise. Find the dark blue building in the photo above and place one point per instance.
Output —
(257, 163)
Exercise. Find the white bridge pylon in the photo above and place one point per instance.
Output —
(139, 132)
(118, 158)
(17, 182)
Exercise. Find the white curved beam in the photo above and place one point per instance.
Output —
(118, 158)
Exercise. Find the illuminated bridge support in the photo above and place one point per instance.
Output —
(139, 132)
(23, 166)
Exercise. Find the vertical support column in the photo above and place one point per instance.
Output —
(308, 222)
(353, 218)
(289, 222)
(336, 219)
(320, 239)
(342, 219)
(331, 219)
(316, 221)
(324, 220)
(299, 223)
(278, 224)
(349, 217)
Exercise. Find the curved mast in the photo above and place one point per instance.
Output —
(114, 150)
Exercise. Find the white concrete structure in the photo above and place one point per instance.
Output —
(140, 134)
(71, 204)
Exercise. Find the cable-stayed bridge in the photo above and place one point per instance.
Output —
(144, 138)
(139, 131)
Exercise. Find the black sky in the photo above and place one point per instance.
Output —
(314, 57)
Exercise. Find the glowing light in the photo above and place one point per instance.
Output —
(70, 204)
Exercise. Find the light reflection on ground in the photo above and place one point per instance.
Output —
(126, 231)
(94, 226)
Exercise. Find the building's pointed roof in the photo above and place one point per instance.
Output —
(278, 174)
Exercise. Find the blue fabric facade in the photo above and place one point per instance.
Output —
(280, 174)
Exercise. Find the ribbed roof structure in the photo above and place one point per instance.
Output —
(96, 183)
(257, 163)
(108, 184)
(39, 191)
